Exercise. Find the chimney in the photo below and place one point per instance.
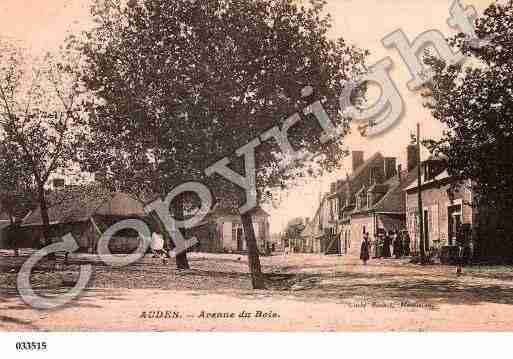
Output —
(390, 167)
(412, 157)
(357, 159)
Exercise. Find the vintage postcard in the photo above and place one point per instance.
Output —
(255, 166)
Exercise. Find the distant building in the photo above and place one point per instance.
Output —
(317, 231)
(222, 232)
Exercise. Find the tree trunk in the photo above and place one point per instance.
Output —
(45, 219)
(178, 212)
(11, 241)
(255, 269)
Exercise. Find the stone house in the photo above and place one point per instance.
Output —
(345, 196)
(222, 232)
(446, 210)
(382, 206)
(369, 198)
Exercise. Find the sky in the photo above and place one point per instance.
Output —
(42, 26)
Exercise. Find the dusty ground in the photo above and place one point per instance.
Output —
(307, 293)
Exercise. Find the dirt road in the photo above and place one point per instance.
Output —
(308, 293)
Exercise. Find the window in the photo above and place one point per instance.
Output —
(58, 183)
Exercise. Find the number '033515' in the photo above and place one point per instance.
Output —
(31, 346)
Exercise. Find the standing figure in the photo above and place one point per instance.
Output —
(406, 243)
(376, 247)
(386, 245)
(364, 250)
(157, 247)
(395, 244)
(401, 243)
(398, 245)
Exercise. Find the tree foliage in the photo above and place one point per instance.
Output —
(475, 102)
(39, 120)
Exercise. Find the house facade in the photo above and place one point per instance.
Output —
(318, 229)
(223, 232)
(369, 199)
(447, 209)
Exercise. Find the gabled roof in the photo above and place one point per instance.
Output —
(378, 188)
(80, 203)
(358, 171)
(308, 231)
(393, 200)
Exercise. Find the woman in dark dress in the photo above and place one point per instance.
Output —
(364, 250)
(406, 244)
(386, 246)
(397, 245)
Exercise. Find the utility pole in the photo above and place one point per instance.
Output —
(419, 194)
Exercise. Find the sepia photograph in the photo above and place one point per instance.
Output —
(241, 166)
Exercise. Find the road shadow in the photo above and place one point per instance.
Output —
(344, 287)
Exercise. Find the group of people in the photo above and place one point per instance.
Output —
(385, 245)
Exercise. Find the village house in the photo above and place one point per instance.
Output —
(330, 230)
(222, 231)
(345, 198)
(447, 209)
(370, 198)
(381, 205)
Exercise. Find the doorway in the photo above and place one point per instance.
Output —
(240, 239)
(454, 223)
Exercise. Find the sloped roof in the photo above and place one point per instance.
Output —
(104, 222)
(308, 231)
(224, 211)
(441, 176)
(358, 171)
(378, 188)
(394, 200)
(80, 203)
